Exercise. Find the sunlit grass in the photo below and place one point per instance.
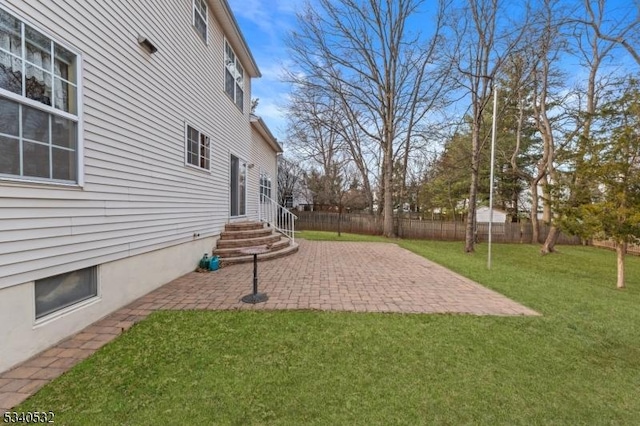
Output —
(579, 363)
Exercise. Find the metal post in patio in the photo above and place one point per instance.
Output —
(255, 297)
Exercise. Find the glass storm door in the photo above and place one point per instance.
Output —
(238, 197)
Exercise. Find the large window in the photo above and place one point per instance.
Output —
(39, 91)
(58, 292)
(233, 77)
(198, 148)
(200, 18)
(238, 181)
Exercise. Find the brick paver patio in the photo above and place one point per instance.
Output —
(360, 277)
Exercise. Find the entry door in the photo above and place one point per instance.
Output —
(238, 183)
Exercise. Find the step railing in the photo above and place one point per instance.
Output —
(277, 216)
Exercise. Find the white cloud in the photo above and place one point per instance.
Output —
(253, 11)
(273, 21)
(272, 71)
(270, 109)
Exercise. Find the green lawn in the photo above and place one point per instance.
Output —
(577, 364)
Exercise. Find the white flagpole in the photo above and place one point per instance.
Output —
(493, 150)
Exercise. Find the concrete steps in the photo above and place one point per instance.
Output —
(240, 235)
(248, 242)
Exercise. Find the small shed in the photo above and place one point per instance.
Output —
(482, 215)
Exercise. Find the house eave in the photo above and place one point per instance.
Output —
(259, 124)
(223, 14)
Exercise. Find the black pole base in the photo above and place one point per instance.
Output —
(255, 298)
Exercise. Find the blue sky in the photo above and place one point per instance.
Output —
(264, 25)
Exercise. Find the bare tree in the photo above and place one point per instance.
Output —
(483, 42)
(548, 46)
(592, 50)
(363, 55)
(482, 45)
(625, 34)
(519, 75)
(311, 129)
(322, 135)
(335, 190)
(362, 153)
(290, 176)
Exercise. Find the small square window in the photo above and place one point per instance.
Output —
(55, 293)
(200, 18)
(198, 148)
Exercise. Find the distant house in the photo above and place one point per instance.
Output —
(126, 145)
(483, 215)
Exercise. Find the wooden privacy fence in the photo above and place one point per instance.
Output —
(631, 248)
(422, 229)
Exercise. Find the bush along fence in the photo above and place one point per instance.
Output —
(423, 229)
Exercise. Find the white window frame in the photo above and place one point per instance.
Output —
(233, 66)
(205, 18)
(265, 189)
(65, 309)
(23, 100)
(201, 134)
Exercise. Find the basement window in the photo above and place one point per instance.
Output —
(61, 291)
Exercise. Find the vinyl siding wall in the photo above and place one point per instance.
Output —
(264, 158)
(138, 195)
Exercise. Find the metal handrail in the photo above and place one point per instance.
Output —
(277, 216)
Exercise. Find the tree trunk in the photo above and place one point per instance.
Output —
(381, 199)
(535, 225)
(621, 250)
(369, 199)
(387, 228)
(549, 245)
(470, 232)
(339, 220)
(546, 200)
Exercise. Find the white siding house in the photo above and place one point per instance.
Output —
(264, 174)
(126, 144)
